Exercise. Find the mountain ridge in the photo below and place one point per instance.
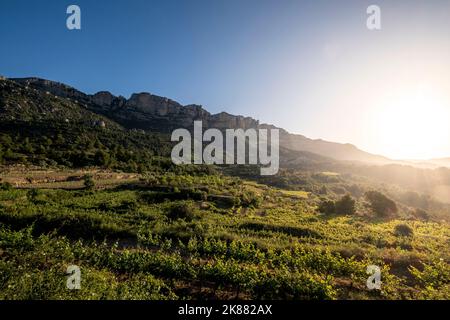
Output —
(151, 112)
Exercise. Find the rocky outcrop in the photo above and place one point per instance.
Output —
(225, 120)
(99, 123)
(151, 104)
(103, 98)
(107, 101)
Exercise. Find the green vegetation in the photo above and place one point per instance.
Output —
(196, 236)
(88, 182)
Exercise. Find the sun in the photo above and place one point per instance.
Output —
(413, 124)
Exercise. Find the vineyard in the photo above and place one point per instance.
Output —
(209, 236)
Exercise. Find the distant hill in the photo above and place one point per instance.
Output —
(427, 164)
(443, 162)
(159, 114)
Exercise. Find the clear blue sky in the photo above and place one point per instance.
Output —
(311, 67)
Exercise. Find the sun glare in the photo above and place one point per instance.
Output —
(413, 125)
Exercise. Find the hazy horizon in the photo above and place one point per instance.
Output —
(312, 68)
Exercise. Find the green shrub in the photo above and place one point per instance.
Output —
(183, 210)
(127, 205)
(250, 199)
(327, 207)
(403, 230)
(346, 205)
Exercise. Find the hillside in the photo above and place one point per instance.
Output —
(158, 114)
(42, 129)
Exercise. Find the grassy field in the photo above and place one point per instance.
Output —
(295, 194)
(167, 236)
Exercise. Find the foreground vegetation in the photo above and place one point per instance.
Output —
(211, 236)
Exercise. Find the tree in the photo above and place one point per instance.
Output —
(27, 147)
(346, 205)
(60, 140)
(88, 181)
(380, 204)
(327, 207)
(323, 190)
(47, 141)
(80, 158)
(101, 158)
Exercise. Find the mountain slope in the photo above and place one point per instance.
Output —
(37, 127)
(338, 151)
(158, 114)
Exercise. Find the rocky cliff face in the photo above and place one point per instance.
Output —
(150, 112)
(144, 110)
(108, 101)
(151, 104)
(225, 120)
